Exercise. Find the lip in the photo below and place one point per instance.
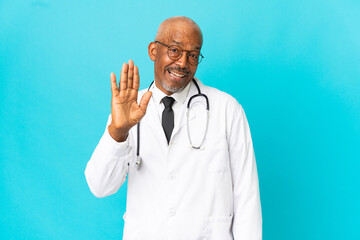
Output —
(174, 77)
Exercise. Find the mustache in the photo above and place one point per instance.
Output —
(178, 69)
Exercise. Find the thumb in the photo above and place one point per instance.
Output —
(145, 101)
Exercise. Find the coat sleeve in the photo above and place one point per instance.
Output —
(107, 169)
(247, 219)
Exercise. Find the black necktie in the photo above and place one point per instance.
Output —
(168, 117)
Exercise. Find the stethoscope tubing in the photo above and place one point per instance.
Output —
(199, 94)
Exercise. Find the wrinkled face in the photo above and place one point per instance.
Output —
(174, 75)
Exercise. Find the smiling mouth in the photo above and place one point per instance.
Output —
(176, 75)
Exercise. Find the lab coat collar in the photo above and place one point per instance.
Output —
(179, 97)
(154, 121)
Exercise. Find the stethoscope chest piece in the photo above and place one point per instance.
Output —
(138, 162)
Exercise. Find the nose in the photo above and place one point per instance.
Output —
(182, 62)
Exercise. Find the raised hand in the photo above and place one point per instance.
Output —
(125, 111)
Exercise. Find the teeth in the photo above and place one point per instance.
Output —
(176, 74)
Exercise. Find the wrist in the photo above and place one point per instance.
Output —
(118, 134)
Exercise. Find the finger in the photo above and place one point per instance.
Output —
(145, 101)
(136, 83)
(130, 74)
(114, 88)
(123, 77)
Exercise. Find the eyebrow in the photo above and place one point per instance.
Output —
(179, 43)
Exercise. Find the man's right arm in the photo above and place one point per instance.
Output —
(107, 169)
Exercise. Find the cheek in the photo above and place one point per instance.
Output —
(161, 64)
(193, 70)
(162, 60)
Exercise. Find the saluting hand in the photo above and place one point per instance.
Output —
(125, 111)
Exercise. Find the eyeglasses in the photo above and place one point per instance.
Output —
(175, 52)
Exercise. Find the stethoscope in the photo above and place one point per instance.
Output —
(199, 94)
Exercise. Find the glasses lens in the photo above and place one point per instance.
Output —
(174, 52)
(194, 58)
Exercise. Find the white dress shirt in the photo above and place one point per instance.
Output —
(180, 98)
(182, 193)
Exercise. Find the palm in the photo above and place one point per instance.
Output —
(125, 110)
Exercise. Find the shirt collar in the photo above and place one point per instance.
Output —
(179, 97)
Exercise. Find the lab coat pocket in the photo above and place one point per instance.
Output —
(217, 177)
(219, 228)
(217, 160)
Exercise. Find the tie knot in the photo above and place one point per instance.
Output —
(168, 101)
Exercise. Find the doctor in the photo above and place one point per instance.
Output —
(198, 177)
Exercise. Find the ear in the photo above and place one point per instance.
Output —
(152, 51)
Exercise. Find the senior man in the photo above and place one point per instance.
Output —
(191, 175)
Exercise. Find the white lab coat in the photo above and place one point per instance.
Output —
(180, 192)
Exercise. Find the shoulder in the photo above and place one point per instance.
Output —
(221, 99)
(224, 110)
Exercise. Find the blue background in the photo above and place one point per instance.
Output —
(293, 65)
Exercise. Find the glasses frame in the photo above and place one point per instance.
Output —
(182, 50)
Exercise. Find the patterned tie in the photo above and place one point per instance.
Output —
(168, 117)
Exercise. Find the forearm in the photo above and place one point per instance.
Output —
(247, 222)
(108, 167)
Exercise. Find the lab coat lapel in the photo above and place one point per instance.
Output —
(152, 121)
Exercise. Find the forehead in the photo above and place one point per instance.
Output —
(183, 35)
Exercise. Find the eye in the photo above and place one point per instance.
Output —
(194, 55)
(174, 50)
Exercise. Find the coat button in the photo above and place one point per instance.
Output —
(171, 176)
(172, 212)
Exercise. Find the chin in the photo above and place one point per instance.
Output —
(176, 85)
(173, 89)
